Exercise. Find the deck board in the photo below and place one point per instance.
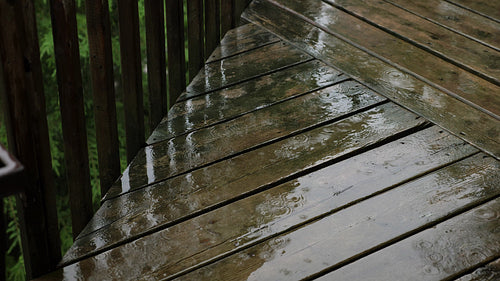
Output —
(320, 141)
(474, 125)
(244, 98)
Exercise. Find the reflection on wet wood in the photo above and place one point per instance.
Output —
(480, 60)
(441, 252)
(319, 192)
(487, 8)
(242, 39)
(400, 53)
(244, 98)
(369, 225)
(456, 18)
(489, 272)
(184, 153)
(230, 71)
(474, 125)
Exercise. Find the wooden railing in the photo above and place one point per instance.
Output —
(22, 87)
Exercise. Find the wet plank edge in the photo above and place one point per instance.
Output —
(404, 131)
(489, 146)
(482, 72)
(486, 271)
(136, 166)
(154, 139)
(245, 32)
(451, 28)
(476, 11)
(431, 228)
(422, 226)
(295, 56)
(465, 96)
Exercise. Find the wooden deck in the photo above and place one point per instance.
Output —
(338, 140)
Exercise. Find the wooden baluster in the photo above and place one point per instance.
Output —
(72, 111)
(239, 7)
(175, 43)
(130, 50)
(212, 25)
(103, 90)
(227, 16)
(157, 79)
(196, 44)
(26, 124)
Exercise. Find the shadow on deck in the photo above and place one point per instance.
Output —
(339, 140)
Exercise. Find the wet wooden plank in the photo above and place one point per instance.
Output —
(489, 272)
(237, 69)
(325, 144)
(473, 125)
(417, 62)
(439, 253)
(242, 39)
(374, 223)
(489, 9)
(480, 60)
(184, 153)
(460, 20)
(272, 166)
(244, 98)
(320, 192)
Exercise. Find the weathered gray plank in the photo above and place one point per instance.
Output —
(489, 272)
(438, 253)
(470, 124)
(320, 192)
(460, 20)
(489, 9)
(374, 223)
(243, 98)
(480, 60)
(242, 67)
(184, 153)
(242, 39)
(456, 81)
(324, 145)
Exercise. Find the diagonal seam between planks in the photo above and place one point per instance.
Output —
(315, 219)
(343, 38)
(333, 83)
(306, 171)
(492, 79)
(445, 26)
(472, 10)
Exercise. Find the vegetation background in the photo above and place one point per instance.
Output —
(15, 264)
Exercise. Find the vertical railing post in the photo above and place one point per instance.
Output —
(227, 18)
(26, 123)
(103, 89)
(69, 80)
(175, 48)
(130, 51)
(196, 44)
(157, 79)
(212, 25)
